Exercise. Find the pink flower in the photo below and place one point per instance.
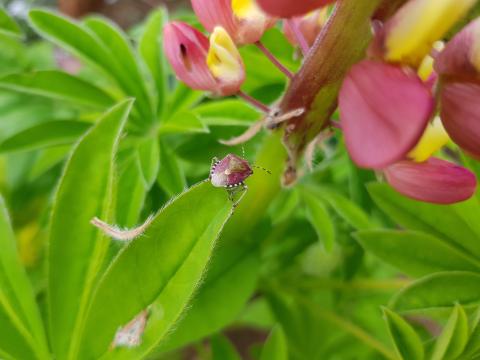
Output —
(436, 181)
(242, 19)
(461, 56)
(290, 8)
(460, 113)
(309, 25)
(384, 110)
(214, 66)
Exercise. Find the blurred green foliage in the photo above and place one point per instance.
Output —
(308, 268)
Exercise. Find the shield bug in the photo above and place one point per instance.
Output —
(230, 173)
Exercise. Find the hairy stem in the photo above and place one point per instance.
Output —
(315, 87)
(254, 102)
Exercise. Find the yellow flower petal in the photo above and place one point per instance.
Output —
(433, 139)
(418, 24)
(245, 9)
(426, 67)
(224, 60)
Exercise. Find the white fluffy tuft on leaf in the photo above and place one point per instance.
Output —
(121, 234)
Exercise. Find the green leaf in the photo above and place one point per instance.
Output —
(183, 98)
(47, 159)
(416, 253)
(171, 177)
(163, 266)
(8, 26)
(44, 135)
(149, 154)
(228, 285)
(345, 208)
(21, 330)
(222, 349)
(440, 290)
(275, 347)
(320, 219)
(473, 345)
(58, 85)
(131, 192)
(457, 223)
(183, 122)
(128, 75)
(151, 50)
(454, 337)
(226, 113)
(407, 343)
(76, 248)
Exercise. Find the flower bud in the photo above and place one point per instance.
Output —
(309, 25)
(435, 181)
(460, 113)
(461, 56)
(291, 8)
(408, 36)
(214, 66)
(384, 111)
(242, 19)
(432, 140)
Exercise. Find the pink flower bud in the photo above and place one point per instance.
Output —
(309, 25)
(214, 65)
(291, 8)
(461, 56)
(242, 19)
(436, 181)
(384, 110)
(460, 113)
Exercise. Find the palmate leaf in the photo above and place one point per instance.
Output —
(21, 330)
(76, 248)
(407, 343)
(416, 253)
(44, 135)
(100, 44)
(8, 26)
(162, 267)
(58, 85)
(457, 224)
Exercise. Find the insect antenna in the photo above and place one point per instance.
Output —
(262, 168)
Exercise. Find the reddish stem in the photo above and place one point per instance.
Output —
(254, 102)
(274, 60)
(302, 42)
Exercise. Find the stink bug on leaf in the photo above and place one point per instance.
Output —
(230, 173)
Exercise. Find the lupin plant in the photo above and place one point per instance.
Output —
(387, 102)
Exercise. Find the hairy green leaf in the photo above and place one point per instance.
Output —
(320, 220)
(163, 267)
(222, 349)
(8, 26)
(76, 248)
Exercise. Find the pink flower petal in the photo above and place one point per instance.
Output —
(460, 114)
(458, 57)
(212, 13)
(186, 49)
(290, 8)
(384, 110)
(436, 181)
